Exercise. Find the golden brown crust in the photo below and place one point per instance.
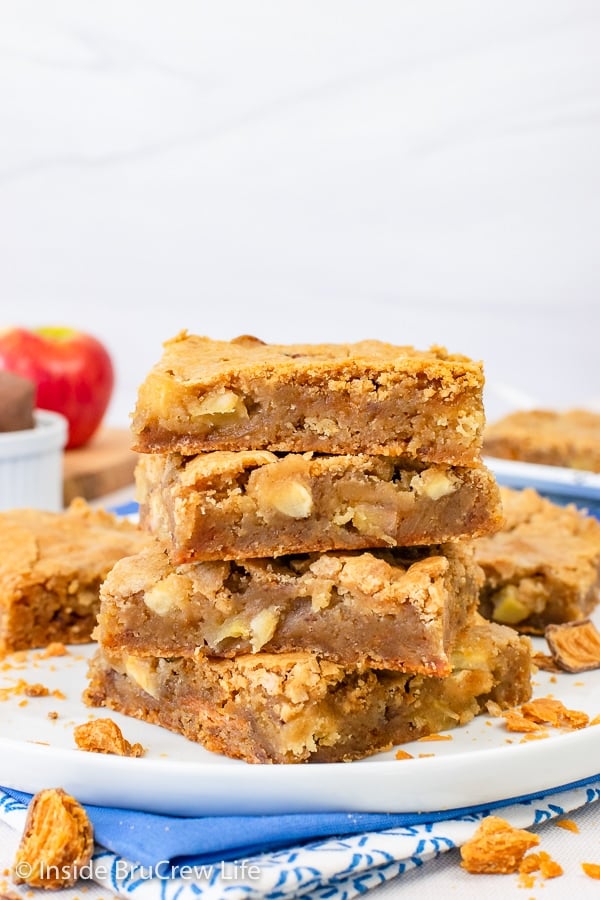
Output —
(58, 840)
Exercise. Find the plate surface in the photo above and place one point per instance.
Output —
(482, 762)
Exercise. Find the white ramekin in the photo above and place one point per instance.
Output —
(31, 464)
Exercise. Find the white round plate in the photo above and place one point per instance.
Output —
(482, 763)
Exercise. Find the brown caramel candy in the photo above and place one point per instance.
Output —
(57, 841)
(575, 646)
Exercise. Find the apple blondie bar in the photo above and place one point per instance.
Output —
(297, 707)
(400, 609)
(367, 397)
(547, 437)
(233, 505)
(51, 569)
(543, 567)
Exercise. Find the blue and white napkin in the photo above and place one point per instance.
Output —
(318, 856)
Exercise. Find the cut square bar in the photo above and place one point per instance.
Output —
(543, 567)
(398, 609)
(51, 569)
(367, 397)
(296, 707)
(234, 505)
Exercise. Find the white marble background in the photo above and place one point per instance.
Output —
(419, 171)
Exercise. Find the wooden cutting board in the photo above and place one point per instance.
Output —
(104, 465)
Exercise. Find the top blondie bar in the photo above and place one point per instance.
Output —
(366, 397)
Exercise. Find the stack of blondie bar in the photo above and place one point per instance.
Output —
(312, 592)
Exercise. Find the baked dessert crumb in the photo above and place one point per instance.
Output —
(105, 736)
(530, 716)
(54, 648)
(403, 754)
(545, 662)
(567, 824)
(58, 840)
(496, 848)
(592, 870)
(36, 690)
(540, 862)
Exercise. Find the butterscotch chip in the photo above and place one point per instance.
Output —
(496, 848)
(57, 841)
(105, 736)
(591, 869)
(403, 754)
(575, 646)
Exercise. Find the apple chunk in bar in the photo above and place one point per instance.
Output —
(297, 707)
(543, 567)
(232, 505)
(398, 609)
(51, 569)
(367, 397)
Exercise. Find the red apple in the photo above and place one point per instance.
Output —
(73, 372)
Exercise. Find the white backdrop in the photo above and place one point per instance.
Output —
(423, 172)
